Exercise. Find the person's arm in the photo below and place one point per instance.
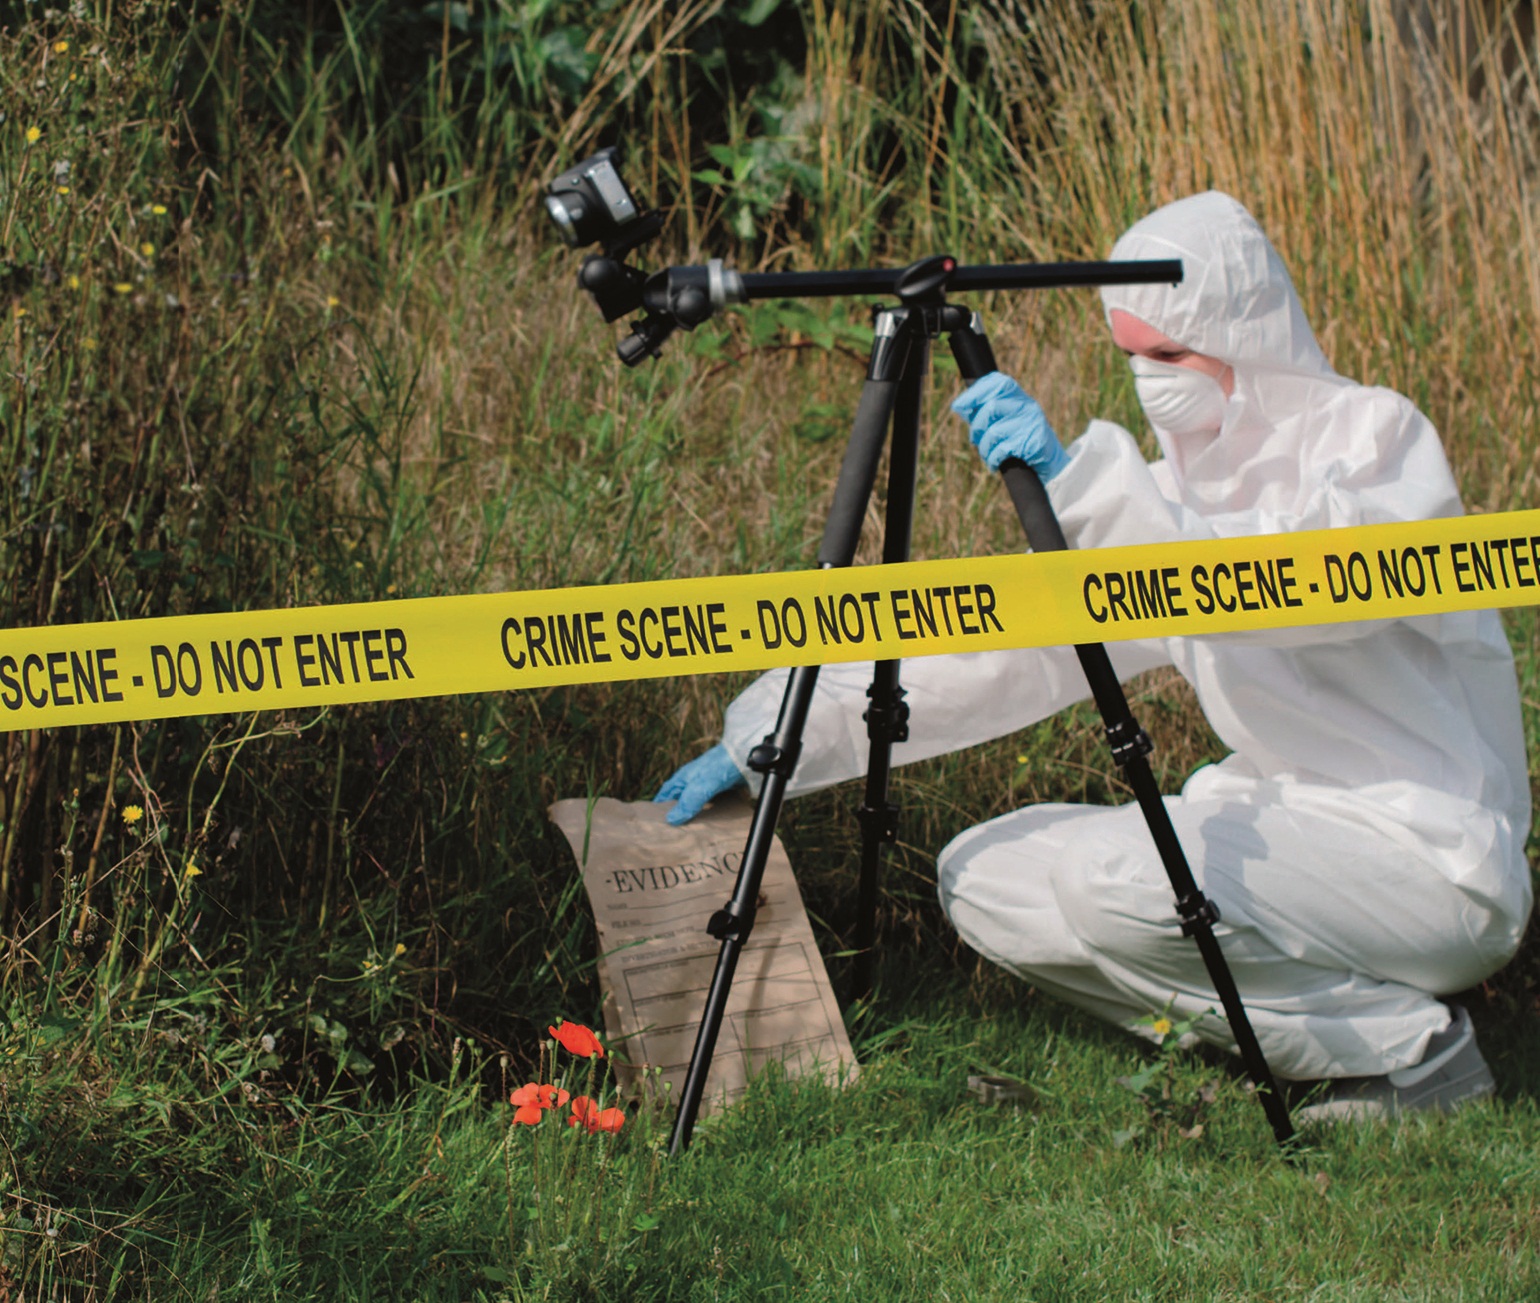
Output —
(1105, 495)
(1395, 471)
(955, 701)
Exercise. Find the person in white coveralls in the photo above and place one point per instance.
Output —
(1364, 842)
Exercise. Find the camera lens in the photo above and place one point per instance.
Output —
(567, 212)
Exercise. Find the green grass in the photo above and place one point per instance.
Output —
(282, 325)
(900, 1185)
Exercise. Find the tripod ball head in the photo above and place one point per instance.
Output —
(678, 298)
(616, 288)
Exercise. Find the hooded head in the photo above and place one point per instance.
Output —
(1293, 444)
(1235, 303)
(1235, 300)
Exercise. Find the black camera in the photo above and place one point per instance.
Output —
(591, 204)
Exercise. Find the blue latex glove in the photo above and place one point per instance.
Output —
(1005, 421)
(703, 779)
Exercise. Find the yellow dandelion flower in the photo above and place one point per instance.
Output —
(73, 282)
(20, 311)
(158, 209)
(147, 249)
(192, 870)
(34, 134)
(61, 47)
(122, 287)
(400, 949)
(1021, 760)
(332, 300)
(132, 814)
(390, 588)
(64, 190)
(1161, 1026)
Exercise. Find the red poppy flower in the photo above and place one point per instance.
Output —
(582, 1109)
(539, 1096)
(587, 1114)
(577, 1039)
(531, 1102)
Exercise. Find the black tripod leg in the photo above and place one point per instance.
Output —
(776, 756)
(1130, 747)
(868, 433)
(887, 718)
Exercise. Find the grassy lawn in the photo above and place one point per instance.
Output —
(900, 1185)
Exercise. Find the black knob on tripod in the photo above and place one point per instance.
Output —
(645, 339)
(926, 281)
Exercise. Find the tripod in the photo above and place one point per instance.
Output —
(891, 397)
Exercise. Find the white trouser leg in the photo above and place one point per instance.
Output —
(1336, 940)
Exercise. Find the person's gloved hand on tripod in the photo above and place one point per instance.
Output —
(704, 779)
(1005, 421)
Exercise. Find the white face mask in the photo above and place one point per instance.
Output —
(1177, 398)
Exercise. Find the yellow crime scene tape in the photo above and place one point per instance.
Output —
(439, 646)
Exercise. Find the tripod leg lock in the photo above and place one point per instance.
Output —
(1197, 910)
(724, 923)
(879, 823)
(768, 758)
(1128, 741)
(887, 721)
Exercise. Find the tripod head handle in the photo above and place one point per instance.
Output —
(683, 297)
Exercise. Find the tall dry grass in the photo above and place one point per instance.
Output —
(1376, 151)
(1392, 156)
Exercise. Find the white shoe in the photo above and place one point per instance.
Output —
(1452, 1073)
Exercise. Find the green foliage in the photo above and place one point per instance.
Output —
(282, 326)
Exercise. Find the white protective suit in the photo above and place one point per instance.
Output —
(1365, 841)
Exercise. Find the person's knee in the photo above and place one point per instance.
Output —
(951, 867)
(990, 875)
(1113, 903)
